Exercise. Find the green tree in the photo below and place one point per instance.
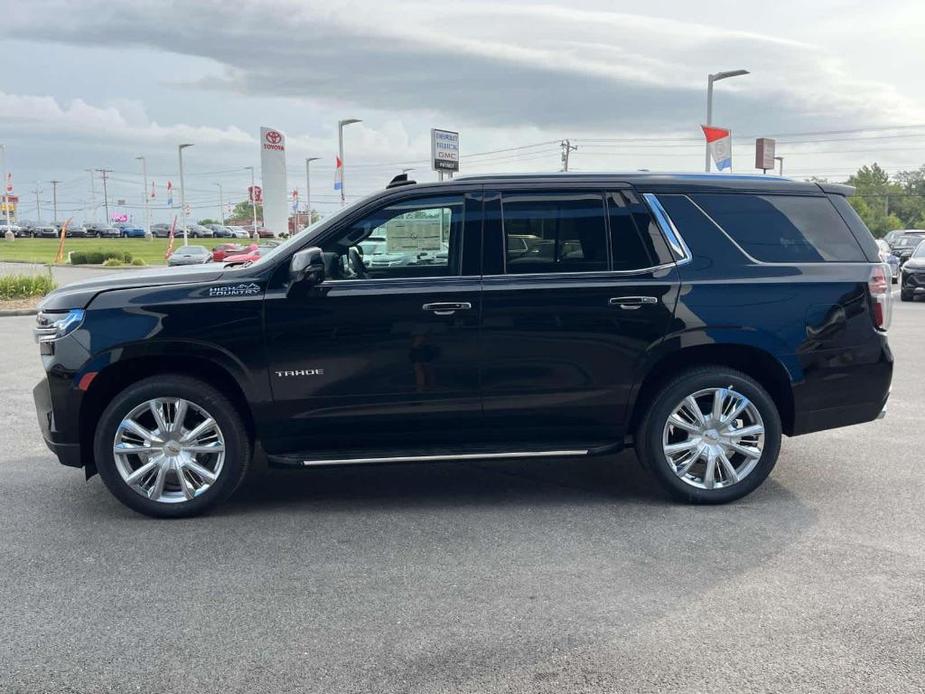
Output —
(245, 210)
(207, 221)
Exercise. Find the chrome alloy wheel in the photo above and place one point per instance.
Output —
(169, 450)
(713, 438)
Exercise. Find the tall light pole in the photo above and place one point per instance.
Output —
(308, 187)
(54, 199)
(221, 203)
(253, 197)
(144, 175)
(92, 193)
(180, 149)
(6, 199)
(340, 153)
(716, 77)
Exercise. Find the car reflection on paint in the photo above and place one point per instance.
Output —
(189, 255)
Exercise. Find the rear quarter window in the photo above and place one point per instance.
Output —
(783, 228)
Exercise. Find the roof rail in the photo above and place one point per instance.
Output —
(400, 180)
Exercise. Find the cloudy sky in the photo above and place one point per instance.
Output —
(93, 84)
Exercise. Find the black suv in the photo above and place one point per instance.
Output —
(696, 318)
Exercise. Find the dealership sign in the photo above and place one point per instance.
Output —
(444, 150)
(764, 153)
(274, 192)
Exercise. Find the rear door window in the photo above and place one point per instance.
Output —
(783, 228)
(554, 232)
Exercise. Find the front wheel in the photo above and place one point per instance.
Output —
(712, 435)
(171, 447)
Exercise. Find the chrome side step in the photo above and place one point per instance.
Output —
(457, 456)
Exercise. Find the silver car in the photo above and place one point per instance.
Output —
(189, 255)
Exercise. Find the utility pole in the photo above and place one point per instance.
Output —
(54, 200)
(104, 173)
(38, 206)
(92, 193)
(6, 193)
(567, 147)
(221, 203)
(144, 175)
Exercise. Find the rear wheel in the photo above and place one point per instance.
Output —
(171, 446)
(711, 435)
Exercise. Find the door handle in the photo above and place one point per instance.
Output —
(447, 308)
(632, 303)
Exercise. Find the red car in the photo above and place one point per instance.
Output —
(250, 253)
(264, 233)
(223, 250)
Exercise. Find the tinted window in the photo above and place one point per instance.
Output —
(636, 242)
(783, 228)
(554, 232)
(856, 224)
(411, 238)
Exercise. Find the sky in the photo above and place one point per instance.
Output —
(95, 84)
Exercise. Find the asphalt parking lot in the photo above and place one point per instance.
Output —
(527, 577)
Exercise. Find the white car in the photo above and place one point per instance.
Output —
(239, 232)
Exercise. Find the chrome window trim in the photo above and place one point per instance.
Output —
(669, 230)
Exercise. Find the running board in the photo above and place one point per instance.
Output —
(448, 457)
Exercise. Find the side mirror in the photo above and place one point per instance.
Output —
(307, 266)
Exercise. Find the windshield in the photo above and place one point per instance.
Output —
(919, 252)
(909, 240)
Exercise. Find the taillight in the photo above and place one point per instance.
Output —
(881, 296)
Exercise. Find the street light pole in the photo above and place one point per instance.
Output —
(144, 175)
(253, 197)
(180, 149)
(308, 188)
(340, 153)
(221, 203)
(716, 77)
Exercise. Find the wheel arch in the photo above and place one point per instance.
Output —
(753, 361)
(111, 380)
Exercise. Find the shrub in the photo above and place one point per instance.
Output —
(138, 261)
(24, 286)
(112, 262)
(98, 257)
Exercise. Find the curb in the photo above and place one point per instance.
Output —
(18, 312)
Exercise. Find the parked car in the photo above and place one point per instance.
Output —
(886, 255)
(239, 232)
(14, 229)
(220, 231)
(47, 231)
(913, 275)
(130, 231)
(27, 228)
(264, 233)
(198, 231)
(906, 242)
(189, 255)
(697, 318)
(249, 254)
(162, 231)
(76, 231)
(108, 231)
(222, 250)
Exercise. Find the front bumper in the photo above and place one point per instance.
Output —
(68, 452)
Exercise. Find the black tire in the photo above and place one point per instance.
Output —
(238, 450)
(906, 296)
(650, 431)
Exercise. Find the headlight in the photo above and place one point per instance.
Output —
(54, 326)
